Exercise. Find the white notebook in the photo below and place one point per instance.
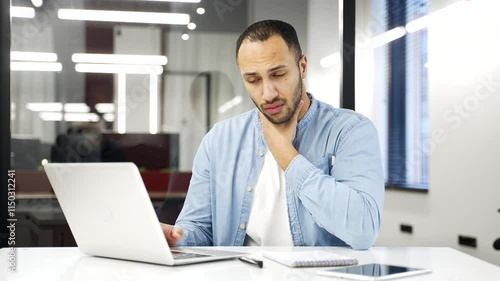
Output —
(310, 258)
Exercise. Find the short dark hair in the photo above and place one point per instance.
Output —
(262, 30)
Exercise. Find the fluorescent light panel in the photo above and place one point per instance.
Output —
(330, 60)
(230, 104)
(105, 107)
(180, 1)
(33, 56)
(37, 3)
(76, 108)
(22, 12)
(81, 117)
(388, 37)
(418, 24)
(122, 103)
(108, 117)
(118, 68)
(44, 106)
(69, 117)
(35, 66)
(119, 59)
(51, 116)
(123, 16)
(58, 107)
(153, 104)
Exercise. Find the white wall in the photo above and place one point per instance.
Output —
(464, 76)
(322, 40)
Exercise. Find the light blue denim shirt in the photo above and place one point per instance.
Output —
(331, 202)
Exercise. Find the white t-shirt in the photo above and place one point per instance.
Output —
(268, 224)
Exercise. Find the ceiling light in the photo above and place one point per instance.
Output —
(119, 59)
(35, 66)
(118, 68)
(51, 116)
(230, 104)
(76, 107)
(191, 25)
(153, 104)
(22, 12)
(180, 1)
(37, 3)
(387, 37)
(330, 60)
(185, 36)
(33, 56)
(109, 117)
(44, 106)
(105, 107)
(69, 117)
(200, 11)
(81, 117)
(418, 24)
(121, 121)
(123, 16)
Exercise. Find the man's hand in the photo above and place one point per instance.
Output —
(280, 137)
(172, 233)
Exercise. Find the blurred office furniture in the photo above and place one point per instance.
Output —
(25, 153)
(496, 244)
(147, 151)
(77, 147)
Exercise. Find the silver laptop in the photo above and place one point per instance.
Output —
(110, 214)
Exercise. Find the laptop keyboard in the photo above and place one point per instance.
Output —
(183, 255)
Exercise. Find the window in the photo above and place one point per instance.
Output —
(408, 130)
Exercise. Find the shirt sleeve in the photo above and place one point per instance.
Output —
(347, 201)
(196, 215)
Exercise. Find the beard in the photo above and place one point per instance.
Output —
(289, 111)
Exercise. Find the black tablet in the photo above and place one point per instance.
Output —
(373, 271)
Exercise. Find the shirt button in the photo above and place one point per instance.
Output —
(249, 188)
(261, 153)
(242, 226)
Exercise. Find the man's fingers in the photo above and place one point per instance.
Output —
(172, 233)
(177, 233)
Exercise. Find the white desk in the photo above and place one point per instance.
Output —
(68, 264)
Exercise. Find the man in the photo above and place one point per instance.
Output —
(293, 171)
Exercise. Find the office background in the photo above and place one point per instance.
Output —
(449, 185)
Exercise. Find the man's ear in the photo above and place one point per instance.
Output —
(303, 67)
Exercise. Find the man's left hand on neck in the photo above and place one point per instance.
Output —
(279, 138)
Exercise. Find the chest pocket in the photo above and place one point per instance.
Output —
(325, 164)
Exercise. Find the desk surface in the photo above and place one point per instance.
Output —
(70, 264)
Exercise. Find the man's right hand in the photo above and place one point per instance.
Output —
(172, 233)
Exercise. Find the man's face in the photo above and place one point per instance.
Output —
(272, 77)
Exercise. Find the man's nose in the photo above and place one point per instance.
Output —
(269, 92)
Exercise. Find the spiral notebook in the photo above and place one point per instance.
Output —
(310, 258)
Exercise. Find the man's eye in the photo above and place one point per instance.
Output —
(251, 81)
(279, 74)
